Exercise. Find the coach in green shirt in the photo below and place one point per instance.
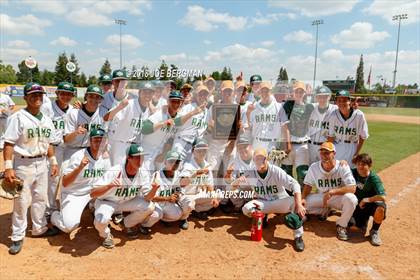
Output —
(370, 193)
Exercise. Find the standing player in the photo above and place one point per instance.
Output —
(84, 169)
(160, 96)
(281, 92)
(57, 112)
(124, 188)
(28, 138)
(347, 128)
(241, 95)
(318, 121)
(105, 81)
(186, 93)
(335, 185)
(255, 82)
(112, 98)
(371, 196)
(269, 182)
(80, 122)
(6, 108)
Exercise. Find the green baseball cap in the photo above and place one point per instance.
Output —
(158, 84)
(33, 88)
(135, 150)
(175, 95)
(65, 86)
(97, 132)
(343, 93)
(201, 144)
(255, 78)
(323, 90)
(105, 79)
(293, 221)
(119, 75)
(94, 89)
(146, 85)
(172, 155)
(243, 140)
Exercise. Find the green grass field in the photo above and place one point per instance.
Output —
(391, 142)
(392, 111)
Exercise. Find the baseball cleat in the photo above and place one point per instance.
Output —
(144, 230)
(132, 232)
(375, 239)
(342, 233)
(299, 245)
(183, 224)
(118, 218)
(108, 242)
(50, 232)
(15, 247)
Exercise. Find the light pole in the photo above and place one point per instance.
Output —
(316, 23)
(399, 18)
(120, 22)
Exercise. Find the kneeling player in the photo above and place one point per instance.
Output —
(370, 194)
(125, 188)
(269, 182)
(335, 185)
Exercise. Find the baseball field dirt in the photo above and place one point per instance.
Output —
(221, 248)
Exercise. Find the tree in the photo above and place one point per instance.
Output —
(226, 74)
(283, 77)
(163, 71)
(24, 74)
(360, 83)
(106, 68)
(133, 73)
(7, 74)
(216, 75)
(75, 75)
(82, 80)
(47, 78)
(92, 80)
(61, 73)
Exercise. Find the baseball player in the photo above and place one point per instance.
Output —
(371, 197)
(347, 128)
(269, 183)
(281, 92)
(197, 181)
(105, 81)
(210, 83)
(112, 98)
(81, 174)
(159, 98)
(298, 113)
(255, 82)
(335, 187)
(6, 108)
(186, 93)
(125, 187)
(79, 122)
(170, 202)
(267, 121)
(241, 93)
(125, 122)
(195, 127)
(241, 162)
(28, 138)
(57, 112)
(318, 121)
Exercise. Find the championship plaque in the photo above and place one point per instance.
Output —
(226, 119)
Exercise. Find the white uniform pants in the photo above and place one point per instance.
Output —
(140, 209)
(183, 147)
(298, 156)
(53, 181)
(117, 151)
(345, 203)
(278, 206)
(345, 151)
(71, 209)
(3, 122)
(34, 173)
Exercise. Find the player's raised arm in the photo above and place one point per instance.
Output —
(111, 114)
(71, 176)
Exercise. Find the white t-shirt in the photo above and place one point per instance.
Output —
(195, 126)
(57, 116)
(77, 117)
(318, 123)
(350, 129)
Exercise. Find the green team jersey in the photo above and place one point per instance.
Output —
(367, 186)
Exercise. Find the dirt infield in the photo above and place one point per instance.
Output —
(393, 118)
(220, 247)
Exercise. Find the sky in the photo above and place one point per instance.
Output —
(255, 37)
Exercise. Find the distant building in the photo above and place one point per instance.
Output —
(337, 85)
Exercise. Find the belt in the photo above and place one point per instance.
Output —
(315, 143)
(39, 156)
(302, 142)
(266, 139)
(348, 141)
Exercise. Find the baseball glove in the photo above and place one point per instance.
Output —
(10, 190)
(276, 156)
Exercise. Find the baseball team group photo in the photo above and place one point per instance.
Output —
(191, 153)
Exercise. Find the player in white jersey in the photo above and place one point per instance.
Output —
(6, 108)
(81, 174)
(112, 98)
(28, 138)
(105, 81)
(197, 181)
(195, 127)
(318, 122)
(269, 183)
(347, 128)
(170, 201)
(241, 162)
(255, 82)
(57, 112)
(336, 187)
(125, 187)
(159, 129)
(281, 92)
(160, 95)
(80, 121)
(186, 93)
(125, 122)
(267, 121)
(241, 96)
